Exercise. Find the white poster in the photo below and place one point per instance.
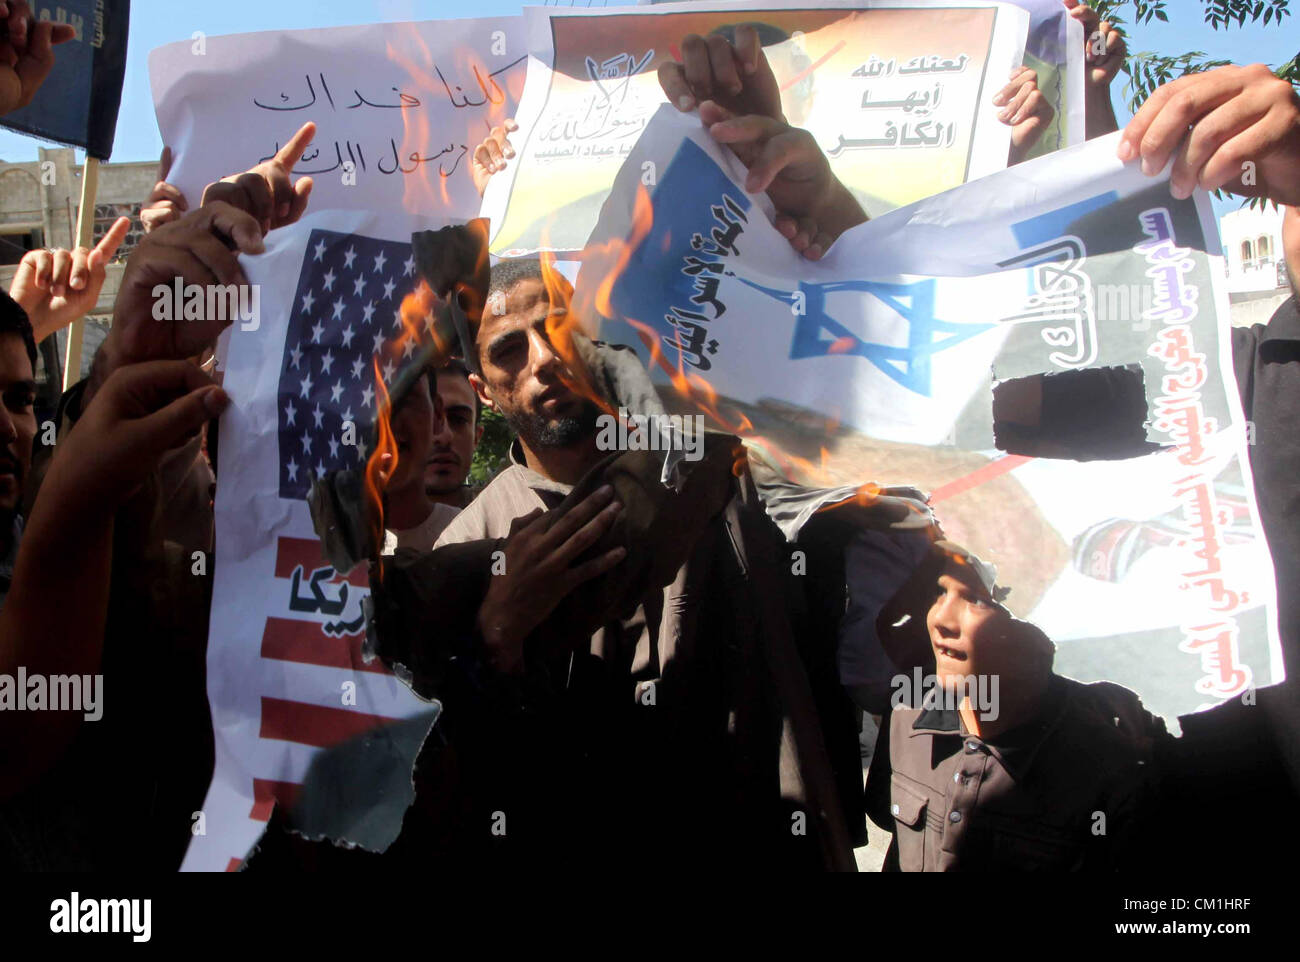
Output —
(898, 94)
(398, 108)
(878, 363)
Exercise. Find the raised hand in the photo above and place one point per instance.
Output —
(165, 202)
(813, 206)
(56, 287)
(491, 155)
(268, 191)
(1104, 51)
(737, 78)
(1025, 110)
(26, 52)
(740, 105)
(140, 413)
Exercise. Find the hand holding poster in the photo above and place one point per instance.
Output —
(898, 95)
(895, 341)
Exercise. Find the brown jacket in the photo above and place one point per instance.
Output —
(1063, 792)
(679, 710)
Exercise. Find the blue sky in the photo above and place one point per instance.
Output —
(156, 22)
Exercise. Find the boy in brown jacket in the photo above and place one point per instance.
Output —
(1048, 774)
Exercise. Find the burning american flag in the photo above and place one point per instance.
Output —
(287, 679)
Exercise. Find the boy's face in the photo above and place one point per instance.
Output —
(17, 420)
(971, 634)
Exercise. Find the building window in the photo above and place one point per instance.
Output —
(15, 242)
(1264, 250)
(106, 214)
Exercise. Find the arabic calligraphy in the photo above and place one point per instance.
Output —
(926, 133)
(489, 88)
(318, 602)
(1060, 290)
(1180, 414)
(356, 157)
(920, 102)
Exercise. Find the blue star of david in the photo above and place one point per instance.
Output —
(907, 365)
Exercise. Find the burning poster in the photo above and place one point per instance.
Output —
(897, 94)
(1072, 280)
(398, 108)
(286, 675)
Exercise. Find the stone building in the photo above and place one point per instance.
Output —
(39, 203)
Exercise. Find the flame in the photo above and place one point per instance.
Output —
(425, 187)
(416, 313)
(609, 261)
(842, 345)
(374, 481)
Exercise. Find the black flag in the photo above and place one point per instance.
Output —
(77, 104)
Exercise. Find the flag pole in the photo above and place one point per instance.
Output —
(85, 238)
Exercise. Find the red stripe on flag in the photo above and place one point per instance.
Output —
(677, 54)
(994, 469)
(287, 639)
(291, 553)
(296, 721)
(233, 864)
(266, 793)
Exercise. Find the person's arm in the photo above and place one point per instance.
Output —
(53, 620)
(197, 249)
(1104, 51)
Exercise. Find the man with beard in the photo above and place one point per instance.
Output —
(17, 427)
(696, 719)
(521, 378)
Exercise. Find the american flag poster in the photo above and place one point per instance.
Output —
(286, 676)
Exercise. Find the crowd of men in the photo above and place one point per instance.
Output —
(629, 673)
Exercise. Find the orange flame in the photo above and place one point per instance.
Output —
(376, 480)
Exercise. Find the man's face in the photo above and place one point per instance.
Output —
(17, 420)
(522, 371)
(1291, 246)
(972, 635)
(453, 446)
(415, 422)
